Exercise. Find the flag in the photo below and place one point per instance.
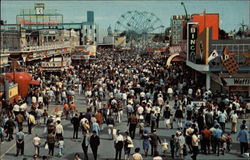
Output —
(213, 55)
(225, 53)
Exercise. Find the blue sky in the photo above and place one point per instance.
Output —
(232, 13)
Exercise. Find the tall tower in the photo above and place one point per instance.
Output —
(90, 17)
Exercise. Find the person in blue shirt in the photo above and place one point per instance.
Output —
(217, 134)
(243, 137)
(222, 120)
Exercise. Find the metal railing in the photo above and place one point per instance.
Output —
(47, 47)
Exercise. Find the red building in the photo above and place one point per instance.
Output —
(208, 20)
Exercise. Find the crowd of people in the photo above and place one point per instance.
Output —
(140, 90)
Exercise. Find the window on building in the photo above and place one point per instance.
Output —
(95, 30)
(95, 39)
(241, 48)
(245, 48)
(90, 26)
(86, 30)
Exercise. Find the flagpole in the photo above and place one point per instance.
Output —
(205, 19)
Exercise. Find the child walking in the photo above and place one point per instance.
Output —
(61, 146)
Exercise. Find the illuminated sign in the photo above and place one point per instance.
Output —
(191, 41)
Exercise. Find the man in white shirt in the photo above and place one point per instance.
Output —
(234, 118)
(170, 93)
(36, 143)
(59, 130)
(190, 92)
(16, 109)
(34, 99)
(124, 98)
(142, 96)
(160, 101)
(118, 144)
(140, 110)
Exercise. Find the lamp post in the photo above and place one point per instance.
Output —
(182, 3)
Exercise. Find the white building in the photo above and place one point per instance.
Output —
(90, 34)
(90, 30)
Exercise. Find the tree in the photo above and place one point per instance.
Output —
(223, 34)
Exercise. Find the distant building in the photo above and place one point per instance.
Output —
(39, 17)
(177, 28)
(90, 17)
(10, 37)
(90, 30)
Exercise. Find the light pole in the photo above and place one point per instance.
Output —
(182, 3)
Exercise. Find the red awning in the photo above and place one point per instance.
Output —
(34, 82)
(177, 59)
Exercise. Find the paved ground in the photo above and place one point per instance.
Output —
(106, 149)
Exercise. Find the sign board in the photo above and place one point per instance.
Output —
(90, 49)
(198, 103)
(51, 52)
(13, 92)
(237, 81)
(80, 57)
(175, 49)
(4, 59)
(191, 41)
(55, 64)
(58, 69)
(12, 28)
(202, 47)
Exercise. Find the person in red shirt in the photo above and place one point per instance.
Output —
(206, 134)
(99, 120)
(66, 110)
(72, 109)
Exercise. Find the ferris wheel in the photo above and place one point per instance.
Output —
(137, 25)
